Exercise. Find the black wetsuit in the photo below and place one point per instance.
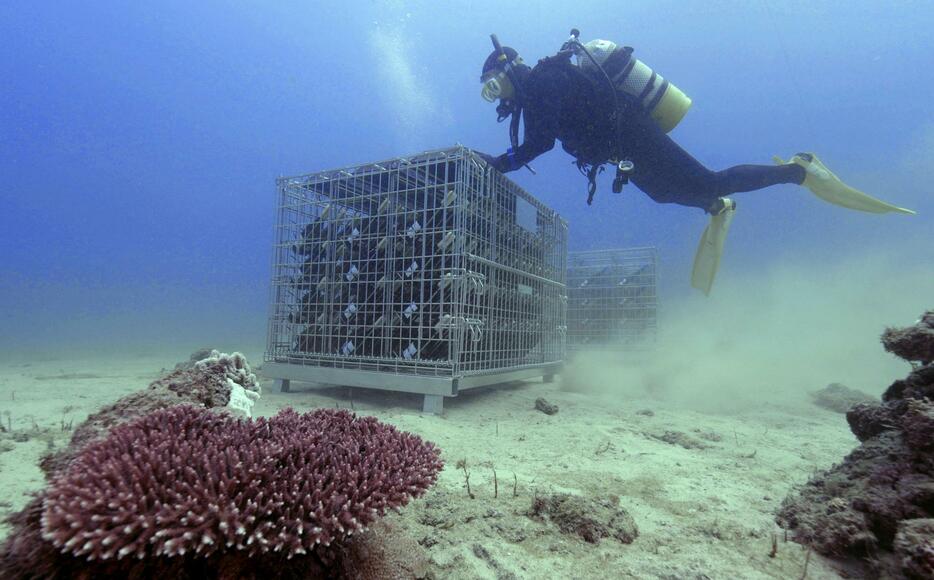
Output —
(561, 102)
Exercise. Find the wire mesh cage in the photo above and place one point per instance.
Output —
(415, 274)
(612, 299)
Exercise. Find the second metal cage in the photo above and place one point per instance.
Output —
(612, 299)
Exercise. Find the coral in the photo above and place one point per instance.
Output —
(590, 519)
(185, 481)
(872, 502)
(26, 556)
(241, 401)
(208, 383)
(914, 343)
(840, 398)
(337, 473)
(196, 357)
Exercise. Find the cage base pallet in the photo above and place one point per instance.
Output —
(434, 388)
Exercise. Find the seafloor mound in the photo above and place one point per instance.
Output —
(219, 382)
(878, 504)
(160, 484)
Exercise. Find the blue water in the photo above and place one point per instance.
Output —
(139, 143)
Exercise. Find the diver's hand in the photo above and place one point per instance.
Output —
(491, 161)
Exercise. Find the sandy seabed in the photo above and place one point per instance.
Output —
(703, 487)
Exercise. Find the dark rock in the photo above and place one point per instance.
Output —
(646, 412)
(914, 547)
(878, 503)
(590, 519)
(680, 439)
(840, 398)
(913, 343)
(868, 420)
(917, 385)
(917, 425)
(545, 407)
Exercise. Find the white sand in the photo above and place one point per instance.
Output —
(702, 513)
(735, 367)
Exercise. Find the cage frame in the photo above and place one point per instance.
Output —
(500, 267)
(599, 281)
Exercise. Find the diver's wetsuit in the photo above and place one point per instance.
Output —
(560, 102)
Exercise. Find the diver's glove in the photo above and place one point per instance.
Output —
(824, 184)
(491, 160)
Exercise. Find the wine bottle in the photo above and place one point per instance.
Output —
(313, 233)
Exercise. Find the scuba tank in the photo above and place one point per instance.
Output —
(616, 69)
(664, 102)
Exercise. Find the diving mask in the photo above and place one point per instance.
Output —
(497, 86)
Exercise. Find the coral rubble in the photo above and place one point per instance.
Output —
(590, 519)
(545, 407)
(878, 504)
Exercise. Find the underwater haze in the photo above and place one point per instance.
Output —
(139, 145)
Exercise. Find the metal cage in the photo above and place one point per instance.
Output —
(612, 299)
(428, 274)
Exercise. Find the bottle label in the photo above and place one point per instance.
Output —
(352, 273)
(409, 352)
(413, 267)
(348, 348)
(410, 310)
(414, 229)
(350, 310)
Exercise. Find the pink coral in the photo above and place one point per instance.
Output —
(183, 480)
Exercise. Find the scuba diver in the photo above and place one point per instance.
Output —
(610, 108)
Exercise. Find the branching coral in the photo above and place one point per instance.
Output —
(185, 481)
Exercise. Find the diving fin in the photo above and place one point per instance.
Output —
(827, 186)
(707, 258)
